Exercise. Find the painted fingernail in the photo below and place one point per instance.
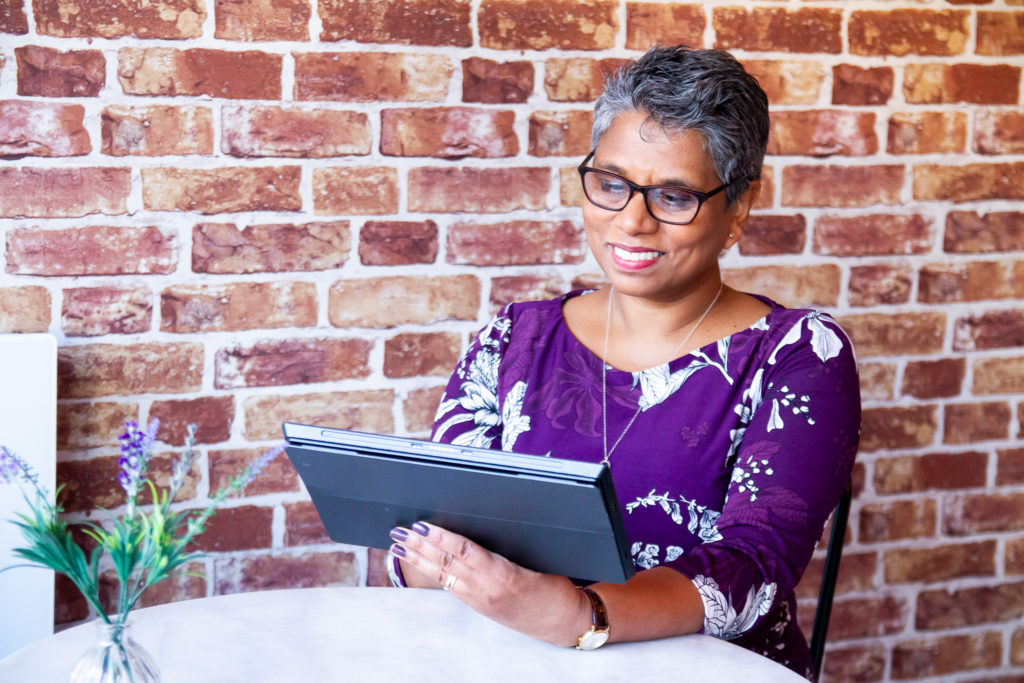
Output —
(399, 534)
(420, 528)
(397, 550)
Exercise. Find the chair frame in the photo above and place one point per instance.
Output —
(833, 556)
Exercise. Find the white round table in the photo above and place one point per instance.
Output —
(374, 634)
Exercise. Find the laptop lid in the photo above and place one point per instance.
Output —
(547, 514)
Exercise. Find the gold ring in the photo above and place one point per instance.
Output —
(449, 583)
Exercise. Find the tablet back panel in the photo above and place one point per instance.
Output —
(550, 515)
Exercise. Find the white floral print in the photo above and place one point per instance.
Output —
(720, 618)
(701, 519)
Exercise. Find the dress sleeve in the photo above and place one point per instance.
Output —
(793, 454)
(470, 410)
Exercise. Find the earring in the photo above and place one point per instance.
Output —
(731, 235)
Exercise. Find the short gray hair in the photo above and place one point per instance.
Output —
(707, 91)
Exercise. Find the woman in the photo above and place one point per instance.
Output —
(730, 423)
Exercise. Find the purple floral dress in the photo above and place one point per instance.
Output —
(739, 453)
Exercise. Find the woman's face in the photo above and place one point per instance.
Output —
(640, 255)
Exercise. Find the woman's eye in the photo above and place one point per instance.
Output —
(612, 185)
(675, 199)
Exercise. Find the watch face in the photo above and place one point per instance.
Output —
(593, 640)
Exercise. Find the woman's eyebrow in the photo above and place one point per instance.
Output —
(686, 185)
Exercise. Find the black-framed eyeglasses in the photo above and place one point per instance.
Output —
(666, 203)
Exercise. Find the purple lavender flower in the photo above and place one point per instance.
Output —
(135, 451)
(10, 466)
(251, 471)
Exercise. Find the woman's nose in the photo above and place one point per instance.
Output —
(635, 218)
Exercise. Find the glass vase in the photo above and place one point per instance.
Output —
(115, 658)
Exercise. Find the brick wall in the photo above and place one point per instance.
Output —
(235, 212)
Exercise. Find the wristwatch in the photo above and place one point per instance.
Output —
(598, 633)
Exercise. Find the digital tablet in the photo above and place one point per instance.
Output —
(547, 514)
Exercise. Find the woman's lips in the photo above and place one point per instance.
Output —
(634, 259)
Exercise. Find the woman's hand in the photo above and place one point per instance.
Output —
(543, 606)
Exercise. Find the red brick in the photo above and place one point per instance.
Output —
(766, 197)
(971, 83)
(857, 664)
(276, 248)
(946, 655)
(449, 132)
(47, 72)
(365, 411)
(278, 477)
(222, 190)
(773, 235)
(98, 19)
(577, 79)
(867, 617)
(94, 311)
(822, 133)
(24, 309)
(490, 82)
(63, 192)
(261, 19)
(881, 284)
(376, 568)
(357, 190)
(998, 376)
(1010, 471)
(971, 232)
(545, 24)
(897, 427)
(390, 301)
(772, 29)
(179, 587)
(42, 129)
(269, 572)
(291, 361)
(841, 186)
(302, 525)
(410, 22)
(1015, 567)
(970, 281)
(927, 132)
(972, 422)
(1000, 33)
(560, 133)
(289, 132)
(901, 32)
(246, 527)
(861, 86)
(431, 354)
(516, 243)
(570, 190)
(532, 287)
(396, 243)
(90, 484)
(94, 424)
(972, 514)
(792, 286)
(897, 520)
(212, 416)
(970, 182)
(940, 563)
(856, 574)
(999, 132)
(942, 609)
(157, 130)
(788, 81)
(494, 190)
(12, 17)
(93, 250)
(237, 306)
(69, 604)
(992, 330)
(941, 378)
(95, 370)
(249, 75)
(942, 471)
(879, 234)
(877, 381)
(371, 77)
(419, 408)
(649, 23)
(876, 334)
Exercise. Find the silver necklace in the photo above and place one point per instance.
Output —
(606, 460)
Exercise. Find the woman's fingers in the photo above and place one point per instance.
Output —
(437, 552)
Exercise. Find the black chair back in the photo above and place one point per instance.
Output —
(828, 580)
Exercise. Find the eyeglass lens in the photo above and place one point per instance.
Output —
(671, 204)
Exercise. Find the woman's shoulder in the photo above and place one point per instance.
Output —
(799, 330)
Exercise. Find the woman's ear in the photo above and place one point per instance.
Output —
(740, 211)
